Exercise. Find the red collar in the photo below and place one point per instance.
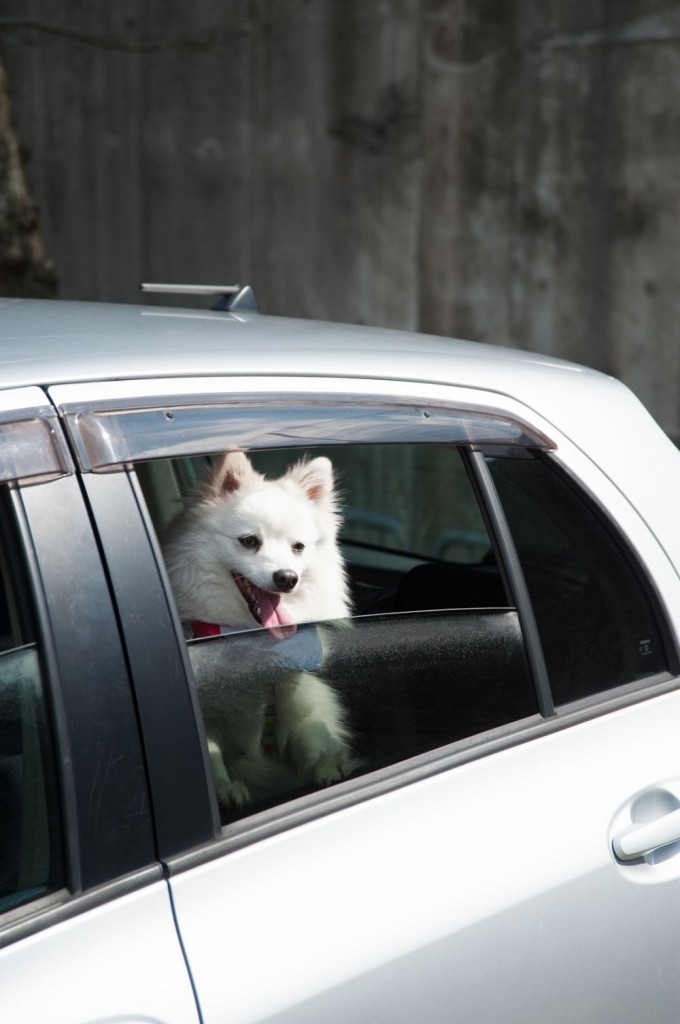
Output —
(202, 629)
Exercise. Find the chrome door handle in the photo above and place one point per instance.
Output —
(638, 840)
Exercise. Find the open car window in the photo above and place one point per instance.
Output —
(431, 653)
(405, 506)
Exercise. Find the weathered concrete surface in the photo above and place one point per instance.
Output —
(25, 269)
(506, 172)
(551, 207)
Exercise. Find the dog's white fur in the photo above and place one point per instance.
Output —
(294, 521)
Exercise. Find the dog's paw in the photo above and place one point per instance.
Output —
(232, 793)
(333, 766)
(321, 757)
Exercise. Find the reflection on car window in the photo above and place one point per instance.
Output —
(595, 618)
(30, 828)
(410, 682)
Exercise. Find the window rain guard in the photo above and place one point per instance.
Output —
(33, 447)
(105, 436)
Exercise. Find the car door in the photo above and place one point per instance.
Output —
(509, 849)
(87, 931)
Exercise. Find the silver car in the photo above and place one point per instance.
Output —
(508, 849)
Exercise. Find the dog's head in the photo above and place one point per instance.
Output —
(262, 550)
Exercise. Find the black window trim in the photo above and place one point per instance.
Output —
(85, 885)
(93, 858)
(182, 797)
(508, 561)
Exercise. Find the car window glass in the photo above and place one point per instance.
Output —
(433, 652)
(409, 683)
(594, 614)
(31, 862)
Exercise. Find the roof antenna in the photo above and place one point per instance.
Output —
(232, 298)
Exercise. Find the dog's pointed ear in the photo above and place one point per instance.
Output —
(231, 473)
(315, 477)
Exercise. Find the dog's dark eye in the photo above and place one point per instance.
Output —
(251, 542)
(298, 546)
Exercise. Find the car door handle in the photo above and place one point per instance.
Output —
(638, 840)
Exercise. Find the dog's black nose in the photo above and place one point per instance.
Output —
(285, 580)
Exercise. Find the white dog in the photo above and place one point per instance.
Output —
(248, 552)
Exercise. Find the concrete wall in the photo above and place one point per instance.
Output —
(483, 168)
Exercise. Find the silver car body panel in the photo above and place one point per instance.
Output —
(487, 893)
(117, 962)
(482, 889)
(67, 341)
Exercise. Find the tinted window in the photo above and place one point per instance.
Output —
(30, 825)
(597, 624)
(409, 682)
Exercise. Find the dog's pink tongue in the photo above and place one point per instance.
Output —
(275, 617)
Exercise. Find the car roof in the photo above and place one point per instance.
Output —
(48, 342)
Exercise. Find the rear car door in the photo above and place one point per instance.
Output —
(86, 925)
(508, 849)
